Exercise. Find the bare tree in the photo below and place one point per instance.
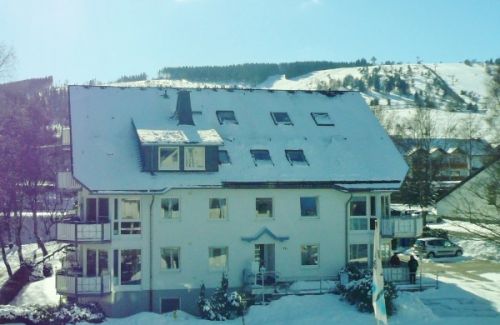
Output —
(478, 200)
(7, 60)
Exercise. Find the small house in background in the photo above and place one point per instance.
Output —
(476, 198)
(451, 159)
(182, 185)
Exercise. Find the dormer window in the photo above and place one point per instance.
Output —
(296, 157)
(224, 158)
(168, 158)
(322, 119)
(281, 118)
(226, 117)
(194, 158)
(261, 157)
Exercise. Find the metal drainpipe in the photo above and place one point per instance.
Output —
(151, 254)
(347, 229)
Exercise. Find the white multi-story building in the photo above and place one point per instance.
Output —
(179, 186)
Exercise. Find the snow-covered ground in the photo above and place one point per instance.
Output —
(448, 305)
(30, 252)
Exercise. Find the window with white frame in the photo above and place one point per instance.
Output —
(168, 158)
(218, 258)
(97, 210)
(170, 258)
(170, 208)
(309, 255)
(358, 253)
(264, 207)
(358, 224)
(130, 217)
(358, 206)
(309, 206)
(217, 209)
(194, 158)
(130, 270)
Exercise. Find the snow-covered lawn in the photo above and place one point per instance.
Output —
(30, 251)
(447, 305)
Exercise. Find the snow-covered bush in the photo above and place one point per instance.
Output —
(65, 314)
(221, 305)
(358, 291)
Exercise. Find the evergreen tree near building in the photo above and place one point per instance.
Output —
(221, 305)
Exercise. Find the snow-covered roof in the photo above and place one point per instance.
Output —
(188, 135)
(478, 147)
(108, 123)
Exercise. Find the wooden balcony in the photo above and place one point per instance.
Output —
(65, 181)
(77, 284)
(401, 227)
(78, 232)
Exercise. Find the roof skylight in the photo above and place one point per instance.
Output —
(226, 117)
(224, 157)
(281, 118)
(322, 119)
(296, 157)
(261, 157)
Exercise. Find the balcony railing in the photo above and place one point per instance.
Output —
(76, 284)
(401, 227)
(65, 181)
(83, 232)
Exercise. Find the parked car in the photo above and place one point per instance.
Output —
(434, 247)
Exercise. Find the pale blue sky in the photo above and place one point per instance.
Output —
(78, 40)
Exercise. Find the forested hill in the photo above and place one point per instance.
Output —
(251, 73)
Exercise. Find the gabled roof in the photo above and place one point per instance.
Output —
(108, 123)
(478, 147)
(493, 164)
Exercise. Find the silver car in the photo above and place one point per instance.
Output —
(433, 247)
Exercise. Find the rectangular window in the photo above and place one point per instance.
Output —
(130, 267)
(115, 266)
(296, 157)
(385, 206)
(217, 209)
(103, 205)
(224, 157)
(281, 118)
(168, 158)
(169, 305)
(103, 262)
(97, 210)
(130, 216)
(170, 258)
(322, 119)
(358, 253)
(358, 224)
(373, 220)
(358, 206)
(217, 258)
(309, 255)
(91, 262)
(373, 207)
(226, 117)
(261, 157)
(309, 206)
(194, 158)
(90, 210)
(264, 207)
(170, 208)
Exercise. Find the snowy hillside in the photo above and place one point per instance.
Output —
(455, 93)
